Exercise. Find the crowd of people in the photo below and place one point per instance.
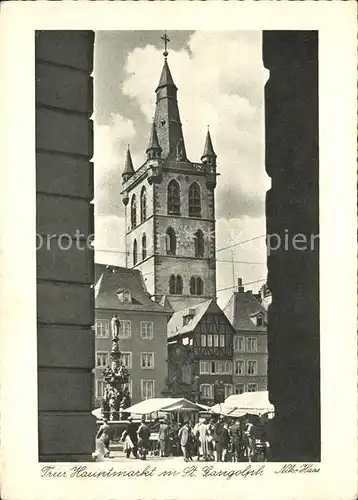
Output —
(224, 440)
(211, 439)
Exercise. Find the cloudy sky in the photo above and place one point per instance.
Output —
(220, 77)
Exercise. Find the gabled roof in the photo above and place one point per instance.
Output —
(241, 308)
(175, 325)
(113, 279)
(98, 271)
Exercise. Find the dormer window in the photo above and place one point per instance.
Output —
(258, 319)
(188, 317)
(124, 296)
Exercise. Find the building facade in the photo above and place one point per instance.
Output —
(200, 354)
(249, 318)
(143, 332)
(170, 209)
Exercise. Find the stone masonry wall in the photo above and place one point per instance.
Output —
(65, 299)
(291, 109)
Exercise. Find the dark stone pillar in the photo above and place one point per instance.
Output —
(65, 299)
(291, 106)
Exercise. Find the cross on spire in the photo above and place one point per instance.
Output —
(166, 40)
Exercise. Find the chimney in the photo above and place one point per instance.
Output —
(240, 288)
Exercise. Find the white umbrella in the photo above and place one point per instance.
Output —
(249, 402)
(221, 409)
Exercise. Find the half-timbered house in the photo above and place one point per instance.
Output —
(200, 353)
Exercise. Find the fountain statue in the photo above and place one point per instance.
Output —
(116, 395)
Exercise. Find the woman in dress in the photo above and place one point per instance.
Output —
(102, 442)
(203, 436)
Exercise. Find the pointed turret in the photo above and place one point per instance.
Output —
(208, 155)
(153, 150)
(128, 167)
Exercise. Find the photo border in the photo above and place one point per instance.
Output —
(336, 22)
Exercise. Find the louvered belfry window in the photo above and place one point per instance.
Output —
(170, 241)
(173, 200)
(194, 200)
(199, 243)
(133, 212)
(143, 204)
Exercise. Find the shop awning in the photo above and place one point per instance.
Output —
(250, 402)
(221, 409)
(256, 403)
(154, 405)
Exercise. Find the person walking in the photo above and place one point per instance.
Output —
(251, 440)
(191, 445)
(102, 442)
(203, 437)
(184, 440)
(236, 440)
(128, 445)
(224, 440)
(218, 438)
(130, 439)
(211, 442)
(163, 436)
(143, 439)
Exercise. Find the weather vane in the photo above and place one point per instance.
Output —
(166, 40)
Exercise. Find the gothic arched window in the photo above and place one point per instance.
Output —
(143, 204)
(178, 285)
(135, 252)
(144, 247)
(172, 284)
(194, 200)
(173, 200)
(133, 212)
(196, 286)
(170, 241)
(199, 243)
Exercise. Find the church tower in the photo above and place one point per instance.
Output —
(170, 208)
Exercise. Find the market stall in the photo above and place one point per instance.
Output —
(254, 403)
(222, 409)
(156, 405)
(178, 409)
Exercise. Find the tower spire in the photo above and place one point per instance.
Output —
(128, 166)
(208, 155)
(167, 117)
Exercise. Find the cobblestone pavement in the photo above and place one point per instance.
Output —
(119, 456)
